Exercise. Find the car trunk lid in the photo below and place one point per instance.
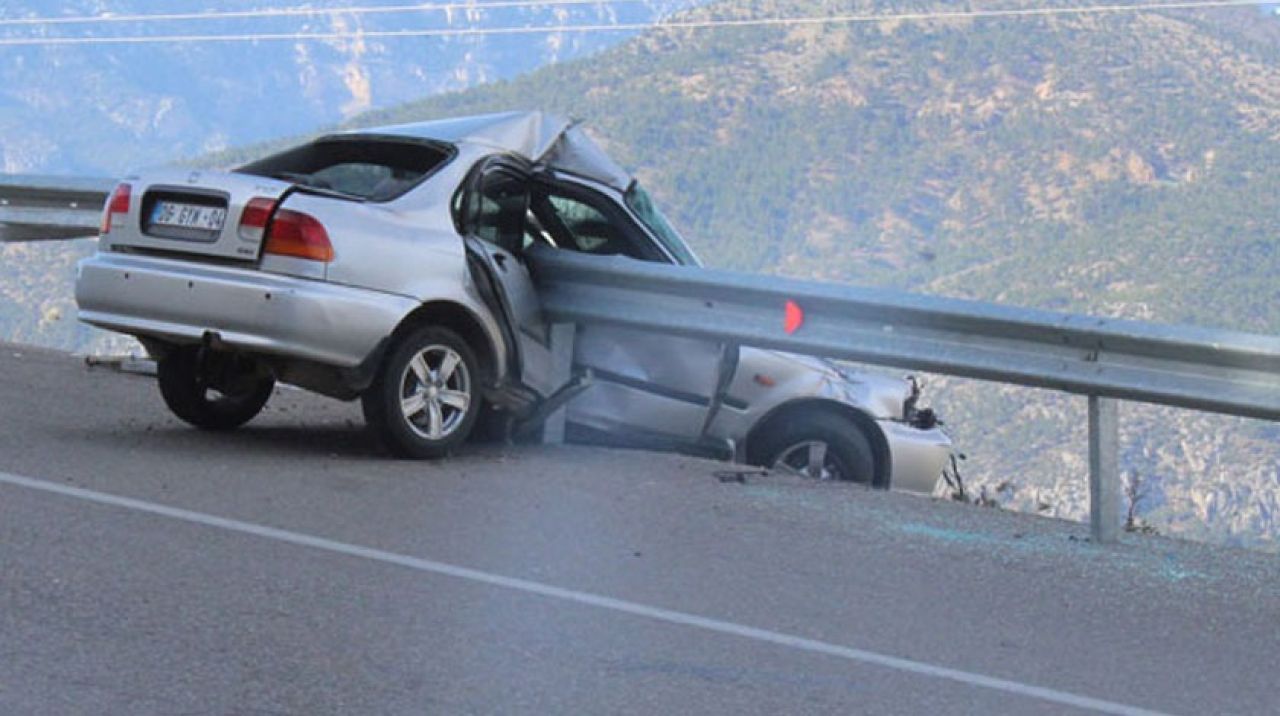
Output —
(194, 213)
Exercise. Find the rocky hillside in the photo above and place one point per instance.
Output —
(1114, 164)
(106, 109)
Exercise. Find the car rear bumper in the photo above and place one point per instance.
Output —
(180, 301)
(919, 456)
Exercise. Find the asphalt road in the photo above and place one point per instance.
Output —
(290, 568)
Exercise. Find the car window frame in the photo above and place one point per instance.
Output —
(613, 210)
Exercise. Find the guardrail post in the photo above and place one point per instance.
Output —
(562, 337)
(1104, 469)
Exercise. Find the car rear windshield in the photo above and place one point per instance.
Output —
(361, 167)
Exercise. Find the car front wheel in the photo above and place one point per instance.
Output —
(424, 401)
(820, 445)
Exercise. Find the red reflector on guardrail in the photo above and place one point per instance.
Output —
(794, 318)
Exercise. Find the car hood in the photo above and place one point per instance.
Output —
(886, 391)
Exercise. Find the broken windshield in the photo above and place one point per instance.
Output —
(369, 168)
(641, 203)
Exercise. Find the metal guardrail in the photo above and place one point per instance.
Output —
(1202, 369)
(1107, 360)
(43, 208)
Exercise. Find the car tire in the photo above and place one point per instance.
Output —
(195, 400)
(425, 399)
(818, 444)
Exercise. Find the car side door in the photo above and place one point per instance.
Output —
(646, 386)
(490, 213)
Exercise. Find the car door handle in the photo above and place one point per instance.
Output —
(501, 260)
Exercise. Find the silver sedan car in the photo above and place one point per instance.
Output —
(392, 265)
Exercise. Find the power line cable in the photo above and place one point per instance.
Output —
(304, 12)
(632, 27)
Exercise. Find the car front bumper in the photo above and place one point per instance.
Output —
(180, 301)
(918, 456)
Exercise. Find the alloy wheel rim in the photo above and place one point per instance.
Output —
(435, 392)
(811, 459)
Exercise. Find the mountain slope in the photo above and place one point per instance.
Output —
(107, 109)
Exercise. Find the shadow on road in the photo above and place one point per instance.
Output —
(348, 441)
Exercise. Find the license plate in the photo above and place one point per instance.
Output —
(188, 216)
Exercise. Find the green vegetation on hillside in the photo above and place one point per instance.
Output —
(1114, 164)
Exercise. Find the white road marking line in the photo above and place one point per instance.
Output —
(618, 605)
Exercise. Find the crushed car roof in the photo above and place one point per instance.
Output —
(541, 137)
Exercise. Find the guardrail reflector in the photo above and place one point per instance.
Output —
(794, 318)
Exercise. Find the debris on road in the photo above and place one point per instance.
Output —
(122, 364)
(739, 476)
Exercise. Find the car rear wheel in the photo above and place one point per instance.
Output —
(220, 392)
(425, 399)
(819, 445)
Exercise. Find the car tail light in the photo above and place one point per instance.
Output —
(293, 233)
(254, 218)
(117, 204)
